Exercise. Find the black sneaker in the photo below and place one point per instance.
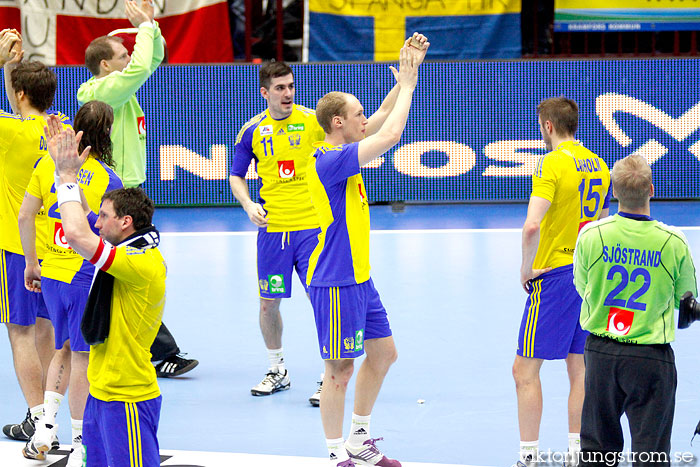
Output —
(175, 366)
(20, 431)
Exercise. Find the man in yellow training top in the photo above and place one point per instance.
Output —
(126, 304)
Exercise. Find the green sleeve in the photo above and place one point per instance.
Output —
(686, 280)
(117, 88)
(580, 268)
(158, 48)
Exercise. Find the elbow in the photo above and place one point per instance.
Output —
(23, 220)
(73, 235)
(531, 229)
(392, 136)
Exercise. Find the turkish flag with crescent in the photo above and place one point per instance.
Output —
(195, 31)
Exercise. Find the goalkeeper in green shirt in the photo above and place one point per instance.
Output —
(116, 78)
(631, 272)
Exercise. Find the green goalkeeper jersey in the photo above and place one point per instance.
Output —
(631, 272)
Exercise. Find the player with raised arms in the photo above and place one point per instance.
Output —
(350, 317)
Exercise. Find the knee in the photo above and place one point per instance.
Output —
(381, 360)
(522, 377)
(269, 306)
(340, 372)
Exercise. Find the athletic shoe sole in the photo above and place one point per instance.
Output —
(261, 393)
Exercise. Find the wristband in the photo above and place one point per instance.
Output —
(56, 180)
(68, 192)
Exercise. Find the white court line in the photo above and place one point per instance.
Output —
(10, 453)
(377, 232)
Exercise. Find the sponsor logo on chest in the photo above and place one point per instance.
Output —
(141, 123)
(286, 169)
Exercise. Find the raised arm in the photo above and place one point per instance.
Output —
(63, 148)
(390, 132)
(377, 119)
(11, 54)
(119, 87)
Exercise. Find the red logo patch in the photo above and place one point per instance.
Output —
(141, 122)
(59, 238)
(620, 321)
(362, 195)
(286, 169)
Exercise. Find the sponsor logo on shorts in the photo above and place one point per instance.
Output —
(349, 343)
(276, 282)
(620, 321)
(359, 339)
(295, 127)
(59, 237)
(286, 169)
(265, 130)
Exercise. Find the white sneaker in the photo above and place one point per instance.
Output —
(77, 457)
(41, 442)
(315, 399)
(273, 382)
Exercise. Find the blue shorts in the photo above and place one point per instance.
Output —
(66, 304)
(17, 304)
(278, 254)
(346, 317)
(121, 434)
(550, 327)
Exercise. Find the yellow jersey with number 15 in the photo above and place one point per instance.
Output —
(577, 183)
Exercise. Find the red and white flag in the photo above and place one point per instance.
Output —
(56, 32)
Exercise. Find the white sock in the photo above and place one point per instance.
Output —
(336, 451)
(276, 358)
(37, 411)
(359, 430)
(77, 431)
(528, 450)
(52, 401)
(574, 442)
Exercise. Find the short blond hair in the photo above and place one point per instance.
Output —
(631, 179)
(331, 105)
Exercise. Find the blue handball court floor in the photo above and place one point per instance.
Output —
(449, 278)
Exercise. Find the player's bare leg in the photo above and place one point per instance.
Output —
(30, 373)
(277, 377)
(271, 322)
(44, 339)
(79, 385)
(380, 355)
(526, 373)
(577, 370)
(335, 386)
(59, 370)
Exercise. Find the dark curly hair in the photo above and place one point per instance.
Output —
(95, 120)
